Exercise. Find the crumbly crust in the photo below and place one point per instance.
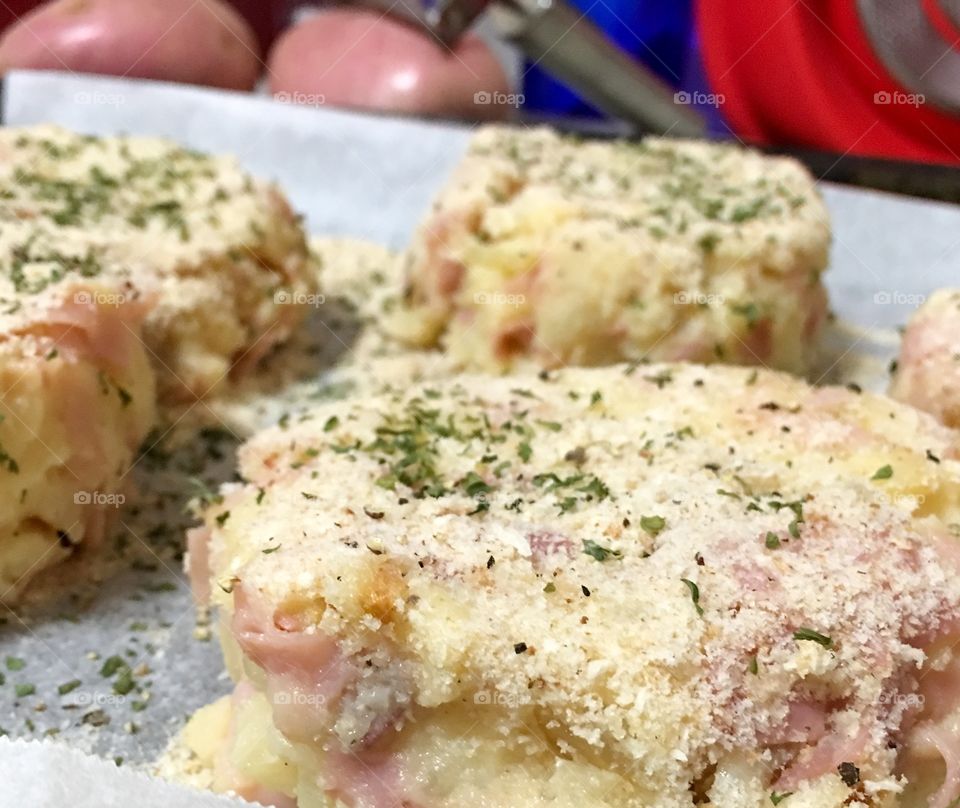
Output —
(541, 247)
(219, 257)
(660, 559)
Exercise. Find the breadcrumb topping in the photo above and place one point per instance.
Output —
(565, 252)
(206, 246)
(664, 560)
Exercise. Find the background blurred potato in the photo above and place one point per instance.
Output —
(362, 59)
(175, 40)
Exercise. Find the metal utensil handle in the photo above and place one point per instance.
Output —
(562, 40)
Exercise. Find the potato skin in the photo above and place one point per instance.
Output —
(205, 43)
(361, 59)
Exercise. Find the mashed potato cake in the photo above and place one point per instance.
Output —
(76, 400)
(220, 257)
(662, 585)
(130, 270)
(547, 249)
(928, 371)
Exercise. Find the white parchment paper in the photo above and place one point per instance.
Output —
(48, 776)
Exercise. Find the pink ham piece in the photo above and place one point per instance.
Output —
(928, 375)
(276, 650)
(198, 563)
(306, 672)
(937, 734)
(368, 779)
(806, 723)
(90, 323)
(940, 740)
(306, 677)
(546, 543)
(823, 758)
(86, 330)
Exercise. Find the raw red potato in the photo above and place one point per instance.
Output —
(364, 59)
(178, 40)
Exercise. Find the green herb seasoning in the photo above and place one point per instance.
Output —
(652, 524)
(809, 635)
(694, 595)
(594, 550)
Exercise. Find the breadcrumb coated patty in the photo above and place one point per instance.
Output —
(219, 257)
(645, 583)
(131, 270)
(546, 250)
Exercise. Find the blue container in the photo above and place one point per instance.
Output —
(656, 32)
